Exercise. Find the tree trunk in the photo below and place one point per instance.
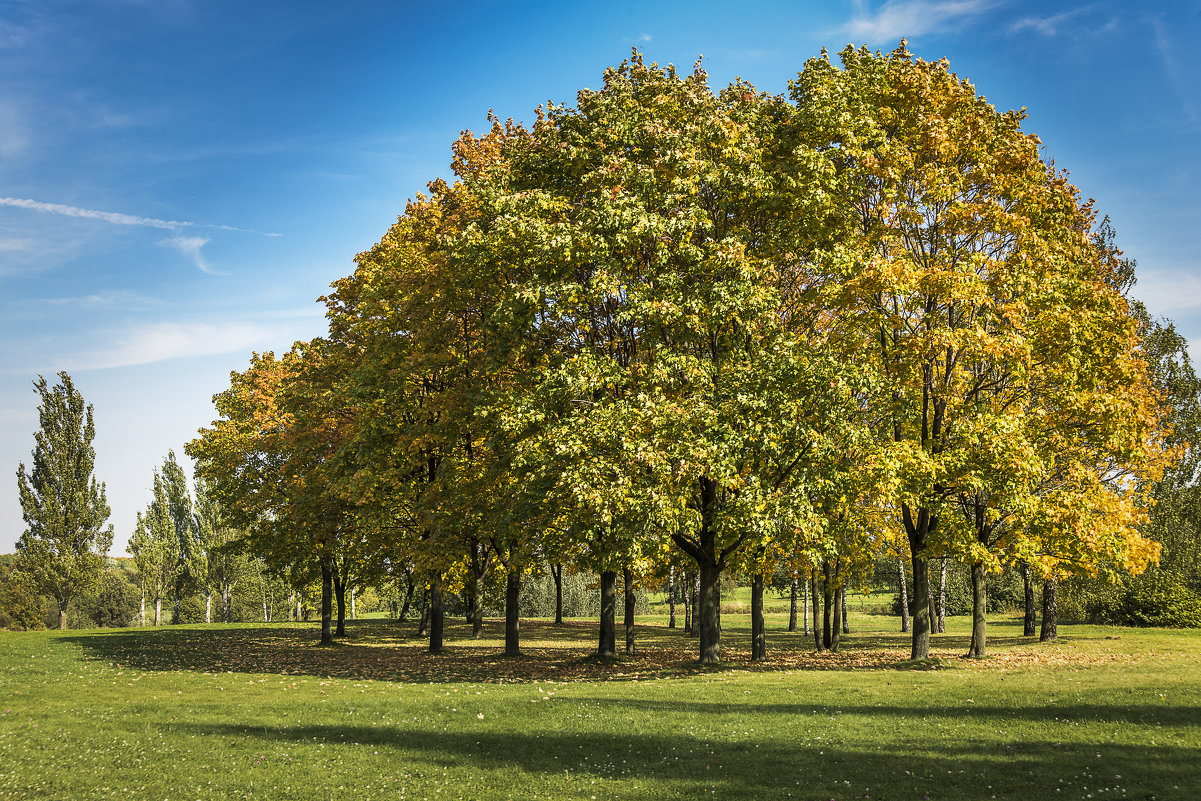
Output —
(437, 614)
(942, 598)
(627, 577)
(423, 622)
(827, 612)
(921, 611)
(327, 600)
(1050, 628)
(758, 629)
(836, 628)
(710, 622)
(792, 607)
(842, 602)
(607, 648)
(977, 648)
(142, 610)
(340, 596)
(1028, 586)
(815, 594)
(208, 607)
(696, 603)
(904, 595)
(805, 607)
(686, 592)
(404, 610)
(158, 611)
(352, 610)
(62, 615)
(557, 572)
(513, 613)
(227, 604)
(671, 597)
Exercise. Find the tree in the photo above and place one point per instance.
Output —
(221, 556)
(1010, 393)
(156, 549)
(64, 546)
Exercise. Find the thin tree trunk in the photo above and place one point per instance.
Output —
(437, 614)
(696, 603)
(978, 646)
(424, 622)
(792, 607)
(836, 628)
(142, 610)
(327, 600)
(513, 613)
(227, 604)
(627, 577)
(805, 607)
(158, 611)
(817, 610)
(352, 609)
(208, 607)
(340, 596)
(404, 610)
(1050, 627)
(1028, 586)
(62, 615)
(557, 572)
(607, 648)
(904, 595)
(758, 629)
(686, 592)
(846, 620)
(671, 597)
(942, 598)
(827, 612)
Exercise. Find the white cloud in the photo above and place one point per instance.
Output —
(898, 19)
(160, 342)
(645, 37)
(190, 246)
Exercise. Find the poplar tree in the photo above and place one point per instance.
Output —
(65, 542)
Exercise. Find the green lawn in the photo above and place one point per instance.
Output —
(264, 712)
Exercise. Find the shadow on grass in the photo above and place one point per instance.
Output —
(384, 649)
(758, 767)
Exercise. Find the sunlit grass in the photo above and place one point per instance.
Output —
(263, 712)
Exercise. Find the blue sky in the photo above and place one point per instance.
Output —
(180, 181)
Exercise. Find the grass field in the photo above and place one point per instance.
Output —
(261, 711)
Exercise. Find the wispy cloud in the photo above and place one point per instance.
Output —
(897, 19)
(190, 246)
(109, 299)
(1176, 75)
(159, 342)
(1046, 26)
(117, 218)
(643, 37)
(1169, 292)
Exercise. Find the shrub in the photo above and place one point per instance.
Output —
(1157, 600)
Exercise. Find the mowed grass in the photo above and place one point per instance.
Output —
(262, 711)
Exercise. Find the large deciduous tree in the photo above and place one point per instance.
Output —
(64, 544)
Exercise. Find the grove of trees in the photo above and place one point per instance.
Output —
(669, 328)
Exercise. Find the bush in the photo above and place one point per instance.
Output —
(116, 601)
(191, 610)
(1157, 600)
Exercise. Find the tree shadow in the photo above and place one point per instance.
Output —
(759, 768)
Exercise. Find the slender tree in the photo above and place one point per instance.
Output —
(65, 540)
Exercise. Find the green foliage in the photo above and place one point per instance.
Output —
(115, 602)
(21, 607)
(1158, 600)
(191, 610)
